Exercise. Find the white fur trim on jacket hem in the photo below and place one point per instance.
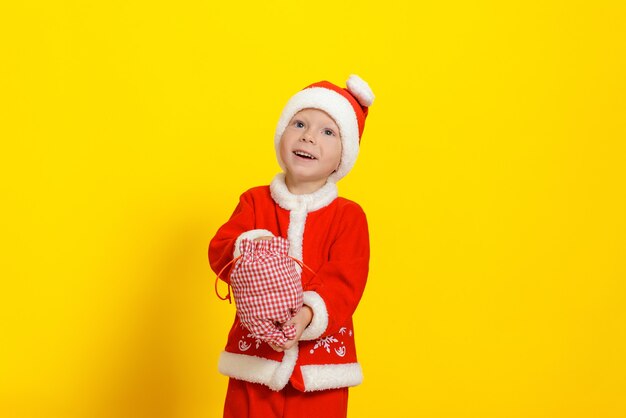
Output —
(319, 323)
(251, 234)
(248, 368)
(331, 376)
(270, 373)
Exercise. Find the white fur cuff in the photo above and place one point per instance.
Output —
(331, 376)
(319, 323)
(251, 234)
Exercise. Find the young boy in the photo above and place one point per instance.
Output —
(317, 143)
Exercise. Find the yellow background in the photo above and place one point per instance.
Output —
(492, 170)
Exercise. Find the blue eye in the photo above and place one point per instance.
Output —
(299, 124)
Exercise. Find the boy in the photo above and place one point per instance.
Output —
(317, 143)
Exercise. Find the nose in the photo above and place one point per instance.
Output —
(307, 137)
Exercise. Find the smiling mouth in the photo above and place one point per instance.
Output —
(304, 155)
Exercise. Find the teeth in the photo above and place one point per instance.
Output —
(304, 154)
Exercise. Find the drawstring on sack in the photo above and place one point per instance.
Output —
(217, 278)
(227, 297)
(302, 265)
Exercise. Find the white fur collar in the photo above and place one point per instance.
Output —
(307, 202)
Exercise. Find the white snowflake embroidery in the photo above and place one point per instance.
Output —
(257, 341)
(325, 342)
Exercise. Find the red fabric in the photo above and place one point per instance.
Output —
(251, 400)
(267, 289)
(335, 246)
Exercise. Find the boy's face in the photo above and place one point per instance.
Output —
(310, 146)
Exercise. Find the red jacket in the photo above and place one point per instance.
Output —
(330, 235)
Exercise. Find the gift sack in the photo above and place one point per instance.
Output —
(267, 289)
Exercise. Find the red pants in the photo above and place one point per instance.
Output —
(251, 400)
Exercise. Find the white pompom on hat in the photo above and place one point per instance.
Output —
(347, 106)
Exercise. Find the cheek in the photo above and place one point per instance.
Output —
(333, 157)
(283, 147)
(337, 152)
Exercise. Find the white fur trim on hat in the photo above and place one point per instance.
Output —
(361, 90)
(338, 108)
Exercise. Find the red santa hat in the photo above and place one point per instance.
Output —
(347, 106)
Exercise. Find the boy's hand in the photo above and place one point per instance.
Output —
(301, 320)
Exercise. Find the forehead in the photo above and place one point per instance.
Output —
(315, 114)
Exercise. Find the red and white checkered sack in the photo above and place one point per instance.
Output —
(267, 289)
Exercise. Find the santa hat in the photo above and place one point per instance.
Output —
(347, 106)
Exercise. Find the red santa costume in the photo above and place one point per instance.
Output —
(330, 235)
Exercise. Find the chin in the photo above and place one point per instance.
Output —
(305, 178)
